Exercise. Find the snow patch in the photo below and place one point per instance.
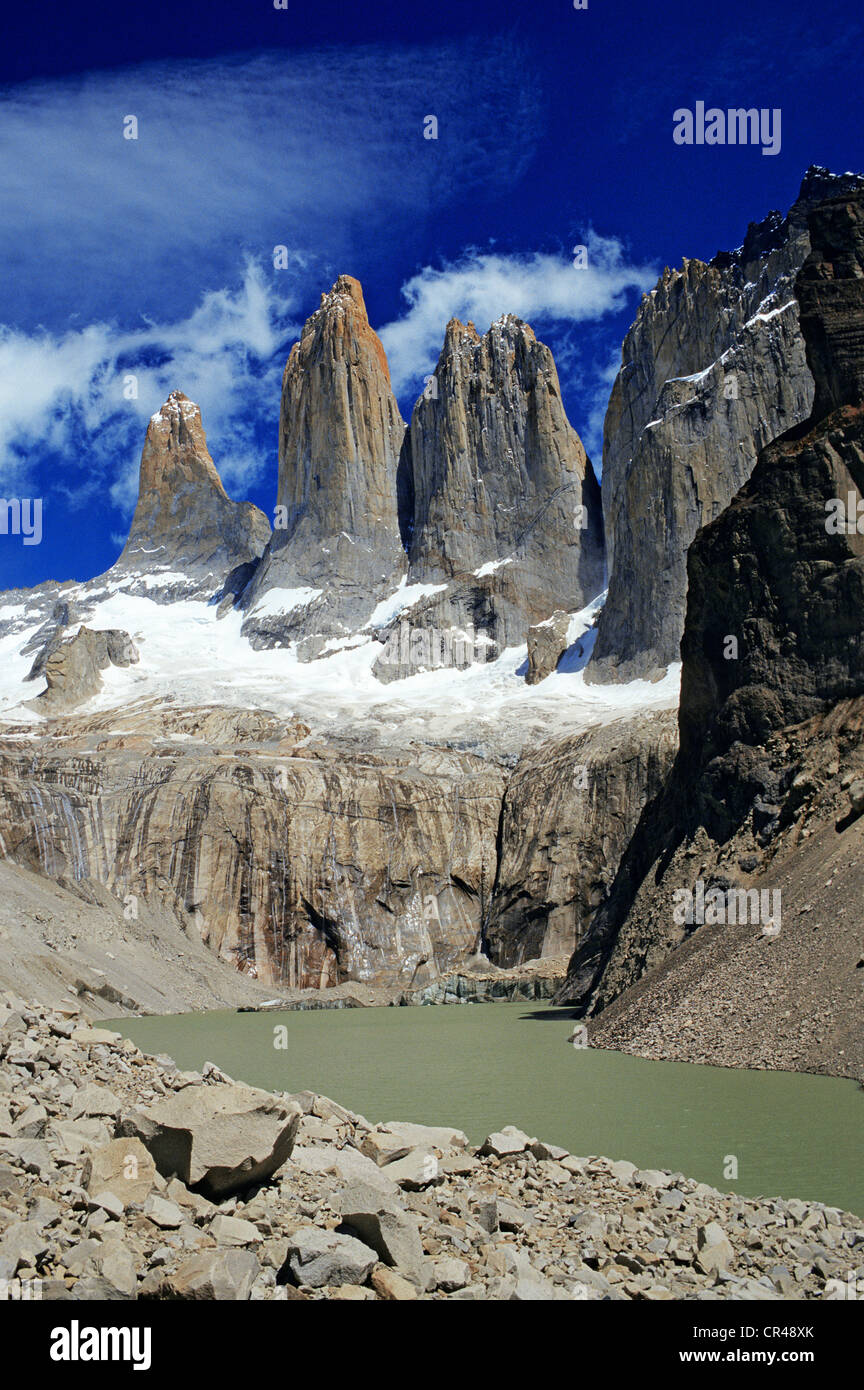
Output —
(405, 597)
(277, 602)
(491, 566)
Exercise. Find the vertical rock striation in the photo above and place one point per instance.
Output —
(300, 862)
(499, 500)
(570, 808)
(336, 548)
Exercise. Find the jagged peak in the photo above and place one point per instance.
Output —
(175, 441)
(457, 329)
(177, 402)
(345, 287)
(340, 316)
(511, 323)
(458, 332)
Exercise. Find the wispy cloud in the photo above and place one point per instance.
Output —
(483, 285)
(241, 155)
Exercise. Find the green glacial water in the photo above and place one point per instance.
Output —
(479, 1067)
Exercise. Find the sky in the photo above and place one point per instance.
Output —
(146, 265)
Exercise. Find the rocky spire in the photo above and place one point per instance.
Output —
(713, 369)
(497, 473)
(782, 570)
(184, 521)
(340, 431)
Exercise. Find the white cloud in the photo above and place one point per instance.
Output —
(64, 393)
(481, 286)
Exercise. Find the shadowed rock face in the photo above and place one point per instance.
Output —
(713, 369)
(776, 572)
(184, 522)
(570, 808)
(830, 290)
(340, 431)
(773, 649)
(492, 472)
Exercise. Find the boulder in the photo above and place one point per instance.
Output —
(440, 1137)
(381, 1223)
(451, 1274)
(216, 1139)
(95, 1100)
(233, 1230)
(318, 1258)
(73, 666)
(506, 1143)
(416, 1170)
(345, 1164)
(218, 1274)
(166, 1215)
(21, 1244)
(123, 1167)
(547, 643)
(714, 1251)
(391, 1286)
(383, 1147)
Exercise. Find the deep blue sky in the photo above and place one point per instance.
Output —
(303, 127)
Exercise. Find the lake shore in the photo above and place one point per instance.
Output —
(275, 1196)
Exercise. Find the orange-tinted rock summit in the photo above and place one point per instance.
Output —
(185, 525)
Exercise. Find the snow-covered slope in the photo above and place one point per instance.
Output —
(191, 655)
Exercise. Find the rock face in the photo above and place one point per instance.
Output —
(773, 663)
(186, 532)
(71, 667)
(218, 1139)
(495, 470)
(336, 541)
(779, 573)
(712, 370)
(570, 808)
(830, 290)
(300, 862)
(729, 994)
(499, 500)
(547, 643)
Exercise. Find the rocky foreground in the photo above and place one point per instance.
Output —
(122, 1177)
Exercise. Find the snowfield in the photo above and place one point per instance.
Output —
(191, 657)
